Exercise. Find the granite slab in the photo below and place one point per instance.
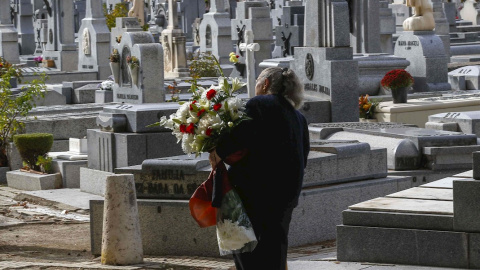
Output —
(446, 182)
(406, 206)
(439, 194)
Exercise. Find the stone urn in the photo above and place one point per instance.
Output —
(133, 74)
(399, 95)
(115, 67)
(240, 68)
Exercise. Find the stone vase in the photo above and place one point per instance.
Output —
(133, 74)
(115, 67)
(399, 95)
(240, 68)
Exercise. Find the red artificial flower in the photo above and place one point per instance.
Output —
(211, 93)
(191, 128)
(193, 102)
(208, 131)
(191, 107)
(200, 112)
(238, 56)
(217, 107)
(183, 128)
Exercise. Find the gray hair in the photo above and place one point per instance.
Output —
(284, 82)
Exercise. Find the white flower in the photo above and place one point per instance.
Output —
(232, 236)
(234, 103)
(237, 84)
(168, 122)
(187, 141)
(107, 85)
(230, 124)
(183, 112)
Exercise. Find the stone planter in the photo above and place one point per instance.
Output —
(32, 181)
(133, 74)
(115, 67)
(399, 95)
(3, 174)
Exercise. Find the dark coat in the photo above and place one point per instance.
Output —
(277, 140)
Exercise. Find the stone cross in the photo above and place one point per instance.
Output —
(250, 48)
(217, 6)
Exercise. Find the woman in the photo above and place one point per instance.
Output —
(269, 178)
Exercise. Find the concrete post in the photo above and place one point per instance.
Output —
(121, 238)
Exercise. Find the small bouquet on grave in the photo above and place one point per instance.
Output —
(367, 106)
(133, 62)
(107, 85)
(38, 60)
(115, 56)
(198, 125)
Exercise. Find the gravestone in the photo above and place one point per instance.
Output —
(401, 13)
(8, 35)
(387, 27)
(249, 48)
(189, 11)
(365, 26)
(61, 47)
(428, 60)
(290, 33)
(442, 27)
(24, 23)
(80, 12)
(451, 14)
(254, 16)
(122, 25)
(214, 32)
(465, 78)
(148, 87)
(40, 28)
(94, 41)
(174, 46)
(470, 12)
(325, 65)
(158, 19)
(196, 31)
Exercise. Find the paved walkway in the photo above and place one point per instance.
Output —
(320, 256)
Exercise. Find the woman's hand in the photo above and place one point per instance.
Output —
(214, 159)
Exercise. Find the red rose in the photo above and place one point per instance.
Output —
(191, 128)
(217, 107)
(208, 131)
(211, 93)
(238, 56)
(200, 112)
(193, 102)
(183, 128)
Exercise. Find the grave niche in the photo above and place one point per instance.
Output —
(208, 37)
(126, 80)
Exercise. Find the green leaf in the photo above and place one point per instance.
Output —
(177, 121)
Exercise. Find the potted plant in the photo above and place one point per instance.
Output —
(37, 171)
(133, 64)
(115, 65)
(398, 81)
(238, 66)
(367, 108)
(15, 73)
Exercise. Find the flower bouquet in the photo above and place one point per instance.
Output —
(398, 81)
(107, 85)
(198, 124)
(38, 60)
(367, 106)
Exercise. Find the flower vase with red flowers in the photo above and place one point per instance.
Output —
(398, 81)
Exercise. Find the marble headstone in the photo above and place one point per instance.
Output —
(94, 41)
(24, 23)
(8, 35)
(214, 32)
